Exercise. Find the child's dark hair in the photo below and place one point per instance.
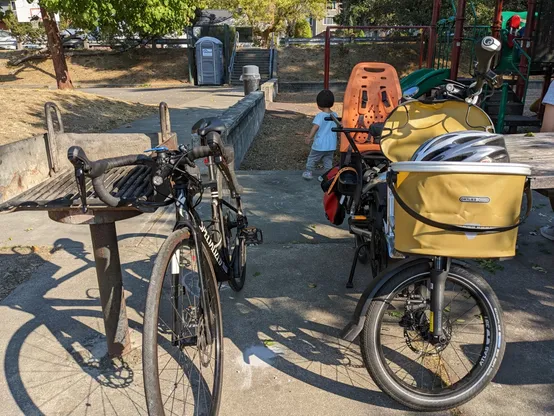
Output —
(325, 99)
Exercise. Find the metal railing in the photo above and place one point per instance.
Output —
(233, 55)
(272, 55)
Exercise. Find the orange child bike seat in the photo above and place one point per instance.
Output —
(372, 93)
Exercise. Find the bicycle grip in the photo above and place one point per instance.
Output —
(102, 192)
(199, 152)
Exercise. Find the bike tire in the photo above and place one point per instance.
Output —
(153, 340)
(377, 366)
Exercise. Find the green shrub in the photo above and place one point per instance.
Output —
(302, 29)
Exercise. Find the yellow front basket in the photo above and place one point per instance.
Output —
(457, 209)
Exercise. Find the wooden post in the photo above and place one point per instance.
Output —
(56, 50)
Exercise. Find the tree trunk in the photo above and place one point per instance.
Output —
(56, 50)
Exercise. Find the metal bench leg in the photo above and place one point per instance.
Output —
(110, 283)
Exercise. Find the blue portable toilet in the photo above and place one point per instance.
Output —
(209, 61)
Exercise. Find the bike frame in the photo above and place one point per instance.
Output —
(187, 217)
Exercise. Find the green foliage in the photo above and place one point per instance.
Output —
(350, 33)
(272, 16)
(22, 31)
(417, 12)
(302, 29)
(137, 17)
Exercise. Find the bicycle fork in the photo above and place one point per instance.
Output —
(439, 274)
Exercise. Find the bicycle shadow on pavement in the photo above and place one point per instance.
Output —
(55, 360)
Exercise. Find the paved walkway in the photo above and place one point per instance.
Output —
(187, 105)
(52, 345)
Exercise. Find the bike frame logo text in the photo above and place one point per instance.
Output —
(213, 247)
(475, 199)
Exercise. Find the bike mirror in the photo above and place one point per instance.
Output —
(410, 92)
(485, 52)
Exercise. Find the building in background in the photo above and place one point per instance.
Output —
(26, 12)
(319, 26)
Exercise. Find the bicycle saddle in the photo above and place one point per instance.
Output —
(207, 125)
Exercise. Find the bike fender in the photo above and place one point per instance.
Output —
(356, 324)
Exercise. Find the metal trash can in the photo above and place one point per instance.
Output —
(251, 78)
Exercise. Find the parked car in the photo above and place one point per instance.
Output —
(75, 38)
(7, 41)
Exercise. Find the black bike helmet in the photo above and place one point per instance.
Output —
(464, 146)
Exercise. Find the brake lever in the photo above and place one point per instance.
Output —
(81, 185)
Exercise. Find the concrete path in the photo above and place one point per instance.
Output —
(187, 106)
(282, 354)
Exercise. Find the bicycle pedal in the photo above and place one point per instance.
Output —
(253, 236)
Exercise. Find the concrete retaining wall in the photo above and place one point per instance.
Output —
(23, 164)
(270, 89)
(243, 121)
(311, 86)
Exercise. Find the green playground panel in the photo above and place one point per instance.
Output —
(425, 79)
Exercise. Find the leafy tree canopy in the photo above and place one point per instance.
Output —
(416, 12)
(302, 29)
(143, 17)
(272, 16)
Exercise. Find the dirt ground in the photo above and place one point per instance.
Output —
(136, 67)
(280, 142)
(305, 63)
(17, 264)
(23, 112)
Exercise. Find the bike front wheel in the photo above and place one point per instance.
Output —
(398, 350)
(183, 334)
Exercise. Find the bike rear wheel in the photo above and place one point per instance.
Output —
(396, 346)
(183, 334)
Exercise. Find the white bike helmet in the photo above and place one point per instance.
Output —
(464, 146)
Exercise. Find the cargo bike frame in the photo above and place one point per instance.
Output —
(448, 352)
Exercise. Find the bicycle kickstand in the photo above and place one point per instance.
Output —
(350, 283)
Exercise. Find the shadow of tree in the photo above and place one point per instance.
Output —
(136, 67)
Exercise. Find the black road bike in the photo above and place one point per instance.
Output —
(183, 335)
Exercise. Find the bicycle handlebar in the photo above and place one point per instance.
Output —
(97, 169)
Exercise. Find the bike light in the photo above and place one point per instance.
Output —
(157, 180)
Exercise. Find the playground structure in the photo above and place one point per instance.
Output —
(528, 50)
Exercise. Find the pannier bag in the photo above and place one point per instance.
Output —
(458, 209)
(333, 200)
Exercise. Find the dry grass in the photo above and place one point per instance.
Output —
(306, 63)
(23, 112)
(136, 67)
(280, 143)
